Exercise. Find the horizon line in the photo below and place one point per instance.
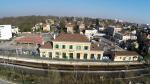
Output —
(92, 17)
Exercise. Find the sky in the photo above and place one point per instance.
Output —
(128, 10)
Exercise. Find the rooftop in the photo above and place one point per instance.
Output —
(71, 38)
(94, 47)
(47, 46)
(125, 53)
(37, 39)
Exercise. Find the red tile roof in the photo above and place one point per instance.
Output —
(47, 46)
(71, 38)
(94, 47)
(31, 39)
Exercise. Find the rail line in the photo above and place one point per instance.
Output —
(74, 67)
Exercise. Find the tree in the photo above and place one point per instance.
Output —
(25, 23)
(76, 29)
(62, 26)
(97, 22)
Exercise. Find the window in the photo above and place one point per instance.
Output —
(78, 55)
(85, 56)
(50, 54)
(92, 56)
(71, 55)
(78, 47)
(43, 54)
(64, 55)
(85, 47)
(135, 58)
(56, 46)
(98, 56)
(63, 46)
(0, 34)
(129, 58)
(57, 54)
(124, 58)
(70, 47)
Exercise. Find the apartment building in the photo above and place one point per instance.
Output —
(5, 32)
(46, 27)
(90, 33)
(70, 28)
(124, 36)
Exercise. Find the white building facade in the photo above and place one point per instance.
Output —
(15, 30)
(5, 32)
(90, 33)
(125, 37)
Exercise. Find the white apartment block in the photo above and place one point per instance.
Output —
(5, 32)
(125, 37)
(90, 33)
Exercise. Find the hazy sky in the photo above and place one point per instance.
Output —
(129, 10)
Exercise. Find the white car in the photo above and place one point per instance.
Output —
(106, 58)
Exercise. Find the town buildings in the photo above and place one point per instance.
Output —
(70, 28)
(90, 33)
(110, 38)
(46, 27)
(71, 46)
(93, 33)
(111, 30)
(38, 27)
(81, 27)
(101, 28)
(124, 36)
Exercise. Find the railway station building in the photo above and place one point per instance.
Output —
(71, 46)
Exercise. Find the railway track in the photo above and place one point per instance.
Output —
(75, 67)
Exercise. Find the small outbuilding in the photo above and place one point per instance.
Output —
(126, 56)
